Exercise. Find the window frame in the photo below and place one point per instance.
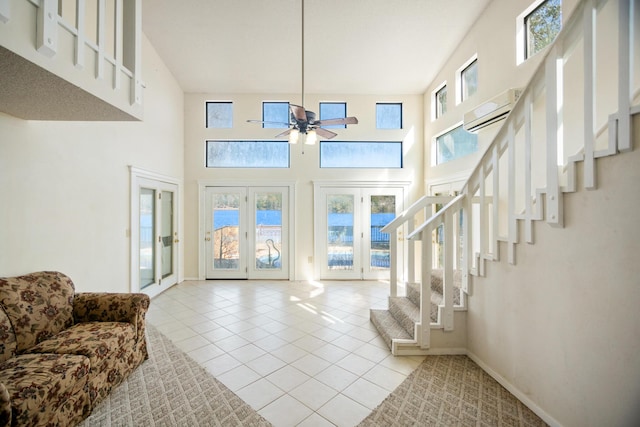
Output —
(401, 118)
(464, 91)
(329, 118)
(273, 126)
(283, 143)
(436, 110)
(522, 42)
(458, 81)
(434, 145)
(324, 144)
(206, 114)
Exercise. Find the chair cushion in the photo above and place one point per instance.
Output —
(109, 347)
(96, 340)
(43, 385)
(39, 305)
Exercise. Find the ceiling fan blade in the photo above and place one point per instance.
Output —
(284, 134)
(298, 112)
(327, 134)
(269, 123)
(332, 122)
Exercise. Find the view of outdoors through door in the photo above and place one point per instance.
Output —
(157, 235)
(351, 245)
(245, 235)
(268, 225)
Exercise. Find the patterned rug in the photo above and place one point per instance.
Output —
(451, 391)
(171, 389)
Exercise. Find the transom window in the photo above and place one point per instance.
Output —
(441, 101)
(454, 144)
(276, 114)
(469, 80)
(360, 154)
(219, 114)
(247, 154)
(542, 26)
(333, 110)
(537, 27)
(389, 115)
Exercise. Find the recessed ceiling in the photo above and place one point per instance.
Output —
(351, 46)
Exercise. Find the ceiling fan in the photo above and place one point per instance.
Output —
(302, 121)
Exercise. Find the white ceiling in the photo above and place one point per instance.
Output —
(351, 46)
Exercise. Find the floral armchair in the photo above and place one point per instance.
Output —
(62, 352)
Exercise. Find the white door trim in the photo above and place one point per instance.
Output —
(202, 215)
(136, 176)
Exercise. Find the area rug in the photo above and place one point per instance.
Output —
(171, 389)
(451, 391)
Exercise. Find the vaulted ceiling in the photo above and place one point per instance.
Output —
(350, 46)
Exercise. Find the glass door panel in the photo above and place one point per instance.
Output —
(268, 224)
(146, 218)
(167, 232)
(380, 208)
(154, 243)
(339, 233)
(225, 234)
(339, 230)
(269, 233)
(383, 211)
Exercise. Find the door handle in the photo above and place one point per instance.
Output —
(208, 239)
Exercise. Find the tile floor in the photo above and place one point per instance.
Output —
(300, 353)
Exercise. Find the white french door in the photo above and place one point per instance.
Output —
(154, 235)
(246, 232)
(349, 244)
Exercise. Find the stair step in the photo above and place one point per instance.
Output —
(387, 325)
(405, 312)
(413, 293)
(413, 289)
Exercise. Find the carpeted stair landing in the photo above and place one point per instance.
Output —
(398, 321)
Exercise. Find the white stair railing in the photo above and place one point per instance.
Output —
(524, 172)
(107, 38)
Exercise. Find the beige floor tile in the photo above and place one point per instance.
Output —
(313, 393)
(285, 412)
(266, 364)
(343, 411)
(239, 377)
(366, 393)
(336, 377)
(288, 378)
(260, 393)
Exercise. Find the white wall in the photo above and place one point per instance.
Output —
(493, 39)
(64, 186)
(561, 326)
(304, 167)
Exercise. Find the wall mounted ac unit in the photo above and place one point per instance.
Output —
(491, 111)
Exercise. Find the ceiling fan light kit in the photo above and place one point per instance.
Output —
(302, 121)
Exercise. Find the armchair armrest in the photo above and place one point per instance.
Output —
(5, 406)
(112, 307)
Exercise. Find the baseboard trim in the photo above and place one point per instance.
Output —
(515, 391)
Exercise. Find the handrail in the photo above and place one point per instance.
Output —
(517, 176)
(418, 205)
(453, 204)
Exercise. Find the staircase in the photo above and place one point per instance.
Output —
(557, 123)
(400, 319)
